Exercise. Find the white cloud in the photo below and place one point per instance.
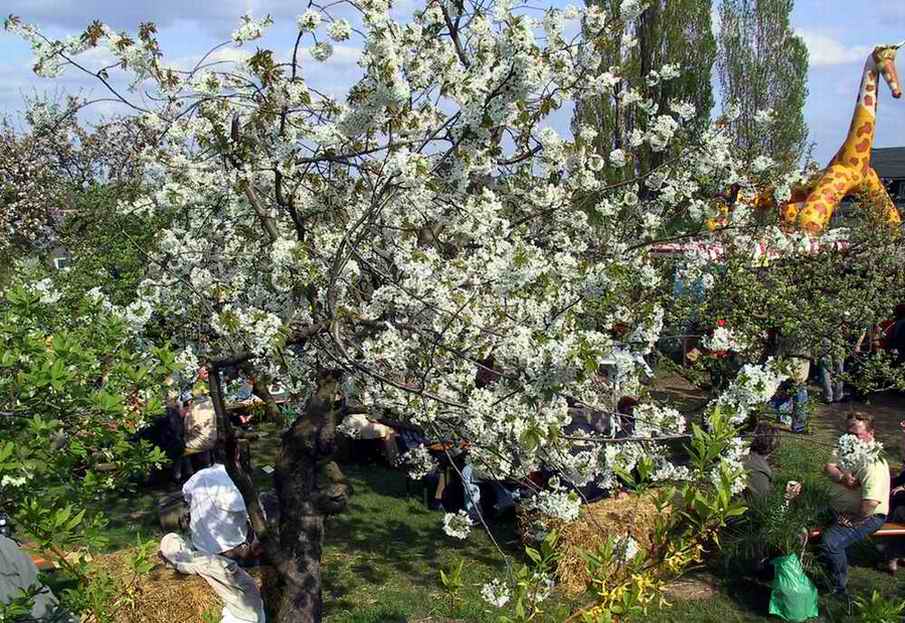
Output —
(216, 61)
(824, 51)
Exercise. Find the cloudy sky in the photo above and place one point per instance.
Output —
(839, 34)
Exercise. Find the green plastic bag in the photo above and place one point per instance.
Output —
(794, 596)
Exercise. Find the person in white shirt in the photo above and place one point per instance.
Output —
(219, 538)
(219, 521)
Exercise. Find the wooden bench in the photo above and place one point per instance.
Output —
(890, 528)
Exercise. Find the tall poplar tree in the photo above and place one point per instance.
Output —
(666, 32)
(763, 66)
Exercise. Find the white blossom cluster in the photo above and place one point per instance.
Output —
(45, 291)
(753, 386)
(542, 585)
(627, 548)
(731, 462)
(251, 29)
(624, 457)
(654, 420)
(340, 30)
(418, 461)
(722, 339)
(496, 593)
(457, 525)
(854, 455)
(350, 427)
(556, 502)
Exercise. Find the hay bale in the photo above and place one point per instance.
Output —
(632, 515)
(165, 595)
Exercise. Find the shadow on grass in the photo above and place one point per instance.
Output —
(387, 540)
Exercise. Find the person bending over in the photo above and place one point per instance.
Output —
(220, 538)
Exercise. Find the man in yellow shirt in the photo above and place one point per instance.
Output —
(861, 503)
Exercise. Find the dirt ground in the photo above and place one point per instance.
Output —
(888, 409)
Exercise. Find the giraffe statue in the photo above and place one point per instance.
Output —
(849, 171)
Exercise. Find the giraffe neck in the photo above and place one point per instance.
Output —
(867, 94)
(865, 115)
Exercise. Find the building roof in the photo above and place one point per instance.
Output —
(889, 162)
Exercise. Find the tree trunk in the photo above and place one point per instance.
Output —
(309, 486)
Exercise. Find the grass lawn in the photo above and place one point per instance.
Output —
(382, 556)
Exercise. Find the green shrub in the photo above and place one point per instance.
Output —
(771, 527)
(879, 609)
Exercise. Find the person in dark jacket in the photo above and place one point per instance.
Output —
(166, 432)
(757, 466)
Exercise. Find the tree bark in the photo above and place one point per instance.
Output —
(309, 486)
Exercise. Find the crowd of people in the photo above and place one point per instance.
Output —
(187, 431)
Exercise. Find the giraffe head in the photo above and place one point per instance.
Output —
(884, 57)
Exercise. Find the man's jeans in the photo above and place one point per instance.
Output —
(799, 408)
(837, 538)
(831, 370)
(473, 493)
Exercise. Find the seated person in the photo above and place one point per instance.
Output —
(626, 413)
(382, 437)
(472, 477)
(19, 579)
(219, 520)
(242, 601)
(894, 549)
(757, 467)
(200, 429)
(166, 432)
(860, 503)
(220, 538)
(200, 424)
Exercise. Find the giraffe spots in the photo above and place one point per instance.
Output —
(840, 186)
(811, 225)
(866, 128)
(854, 161)
(868, 101)
(862, 146)
(871, 87)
